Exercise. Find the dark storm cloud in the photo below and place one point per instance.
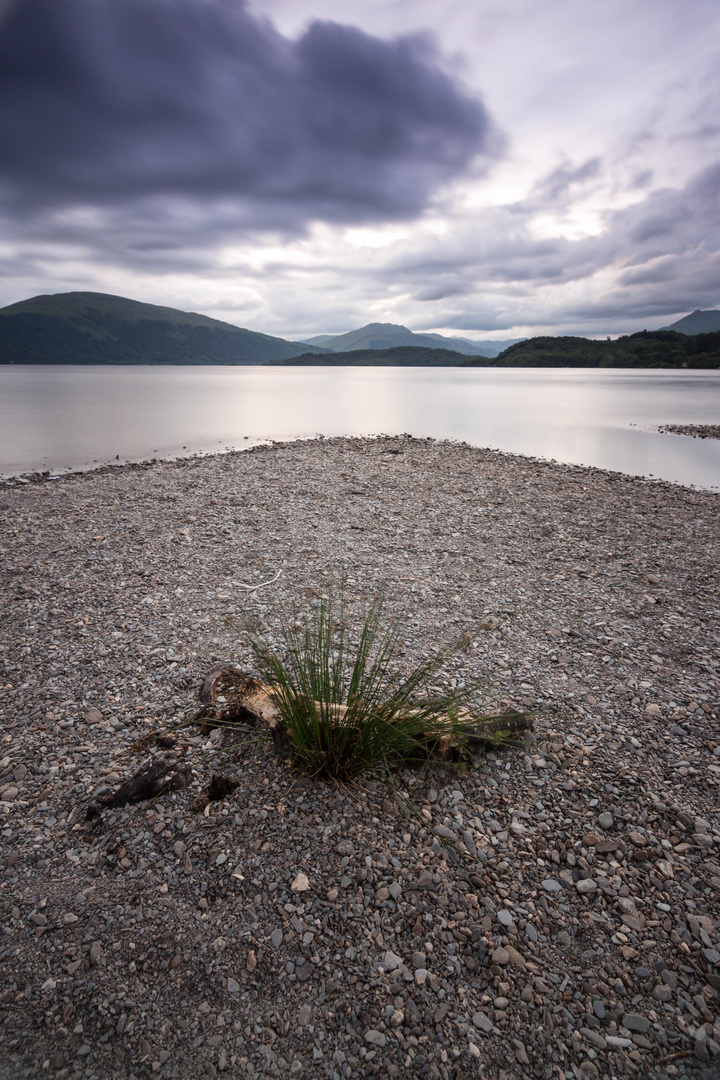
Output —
(106, 102)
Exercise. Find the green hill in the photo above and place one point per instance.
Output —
(648, 349)
(402, 356)
(94, 328)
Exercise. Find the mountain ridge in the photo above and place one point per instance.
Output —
(394, 335)
(100, 328)
(697, 322)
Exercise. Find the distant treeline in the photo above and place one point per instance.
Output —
(399, 356)
(649, 348)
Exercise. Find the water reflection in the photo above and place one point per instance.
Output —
(71, 417)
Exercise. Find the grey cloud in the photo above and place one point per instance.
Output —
(107, 102)
(658, 257)
(560, 180)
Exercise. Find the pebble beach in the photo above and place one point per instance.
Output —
(551, 912)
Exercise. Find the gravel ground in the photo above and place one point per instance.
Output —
(552, 912)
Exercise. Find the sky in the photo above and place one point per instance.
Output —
(493, 169)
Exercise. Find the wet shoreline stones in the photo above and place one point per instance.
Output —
(553, 911)
(695, 431)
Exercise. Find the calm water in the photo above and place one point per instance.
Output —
(61, 418)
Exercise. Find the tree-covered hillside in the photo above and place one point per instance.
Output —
(401, 356)
(648, 349)
(95, 328)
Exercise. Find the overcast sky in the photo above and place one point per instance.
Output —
(497, 168)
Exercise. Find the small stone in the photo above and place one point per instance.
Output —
(589, 1070)
(95, 953)
(233, 986)
(653, 710)
(520, 1052)
(551, 885)
(515, 958)
(304, 970)
(531, 932)
(251, 962)
(301, 883)
(304, 1015)
(482, 1022)
(10, 794)
(382, 895)
(586, 885)
(345, 847)
(277, 937)
(598, 1008)
(395, 890)
(606, 820)
(375, 1038)
(473, 1050)
(661, 992)
(93, 716)
(392, 960)
(500, 956)
(505, 917)
(636, 1022)
(421, 976)
(425, 879)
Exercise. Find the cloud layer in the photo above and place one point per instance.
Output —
(110, 101)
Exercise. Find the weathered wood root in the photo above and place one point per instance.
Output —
(152, 779)
(228, 696)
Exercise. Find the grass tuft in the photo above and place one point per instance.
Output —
(345, 705)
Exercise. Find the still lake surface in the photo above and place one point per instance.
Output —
(73, 417)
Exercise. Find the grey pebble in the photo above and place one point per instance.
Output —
(482, 1022)
(636, 1022)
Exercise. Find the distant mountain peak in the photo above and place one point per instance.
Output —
(699, 322)
(393, 335)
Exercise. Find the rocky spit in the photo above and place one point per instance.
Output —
(552, 912)
(695, 431)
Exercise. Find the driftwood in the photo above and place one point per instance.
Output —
(153, 778)
(229, 696)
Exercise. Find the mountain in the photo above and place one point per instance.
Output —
(390, 336)
(700, 322)
(95, 328)
(401, 356)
